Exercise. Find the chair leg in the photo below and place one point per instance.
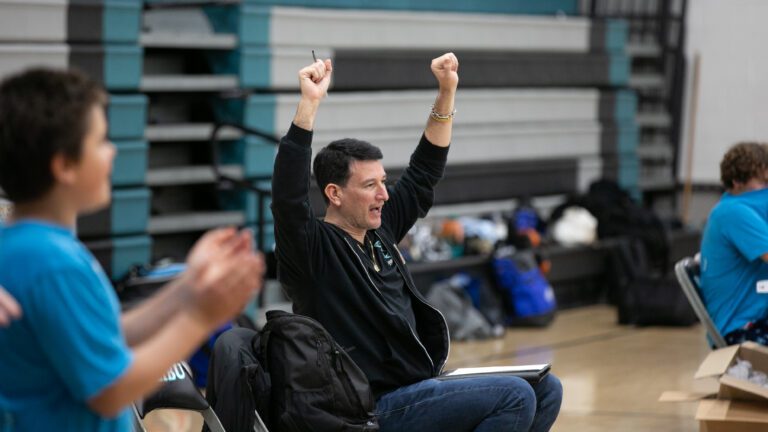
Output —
(213, 422)
(259, 425)
(138, 425)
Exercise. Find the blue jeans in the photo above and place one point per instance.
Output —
(493, 404)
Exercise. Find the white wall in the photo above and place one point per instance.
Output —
(730, 37)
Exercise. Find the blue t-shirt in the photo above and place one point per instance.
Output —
(68, 346)
(735, 238)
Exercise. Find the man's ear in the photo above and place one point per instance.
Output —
(63, 169)
(333, 192)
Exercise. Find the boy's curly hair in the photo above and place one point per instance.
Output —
(743, 162)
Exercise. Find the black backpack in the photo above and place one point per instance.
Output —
(293, 374)
(315, 385)
(645, 296)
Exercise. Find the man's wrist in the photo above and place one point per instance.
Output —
(306, 112)
(309, 101)
(447, 90)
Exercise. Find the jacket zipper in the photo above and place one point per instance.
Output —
(432, 363)
(414, 295)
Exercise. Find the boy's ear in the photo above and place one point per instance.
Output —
(62, 169)
(333, 192)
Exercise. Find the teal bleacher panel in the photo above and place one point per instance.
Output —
(625, 107)
(256, 155)
(619, 68)
(127, 116)
(269, 236)
(127, 252)
(629, 174)
(130, 164)
(247, 202)
(251, 65)
(128, 213)
(628, 136)
(130, 210)
(251, 24)
(526, 7)
(251, 208)
(121, 21)
(616, 35)
(122, 67)
(118, 254)
(256, 111)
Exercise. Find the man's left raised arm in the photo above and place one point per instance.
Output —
(413, 195)
(440, 123)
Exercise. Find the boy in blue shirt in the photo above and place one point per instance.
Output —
(734, 248)
(71, 362)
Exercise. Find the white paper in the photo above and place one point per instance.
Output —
(497, 369)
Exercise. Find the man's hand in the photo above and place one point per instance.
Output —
(315, 79)
(223, 273)
(446, 68)
(9, 308)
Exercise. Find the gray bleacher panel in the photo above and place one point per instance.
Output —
(112, 21)
(364, 29)
(361, 111)
(366, 69)
(481, 143)
(489, 181)
(502, 124)
(118, 67)
(279, 39)
(33, 20)
(15, 58)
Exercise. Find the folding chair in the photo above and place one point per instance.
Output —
(688, 273)
(177, 392)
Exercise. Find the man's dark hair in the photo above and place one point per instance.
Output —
(332, 162)
(43, 113)
(743, 162)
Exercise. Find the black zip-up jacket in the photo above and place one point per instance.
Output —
(327, 280)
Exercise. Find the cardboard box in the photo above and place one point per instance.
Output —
(717, 363)
(720, 415)
(741, 406)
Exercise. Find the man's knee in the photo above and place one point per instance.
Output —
(521, 398)
(550, 388)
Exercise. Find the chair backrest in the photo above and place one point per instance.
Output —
(178, 391)
(687, 271)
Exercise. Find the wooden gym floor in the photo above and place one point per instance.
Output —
(612, 375)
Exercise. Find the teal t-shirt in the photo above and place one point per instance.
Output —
(735, 238)
(68, 346)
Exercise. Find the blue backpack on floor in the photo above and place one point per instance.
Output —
(528, 297)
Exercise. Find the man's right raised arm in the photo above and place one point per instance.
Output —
(291, 177)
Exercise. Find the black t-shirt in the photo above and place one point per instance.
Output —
(385, 274)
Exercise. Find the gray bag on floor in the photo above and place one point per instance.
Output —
(464, 321)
